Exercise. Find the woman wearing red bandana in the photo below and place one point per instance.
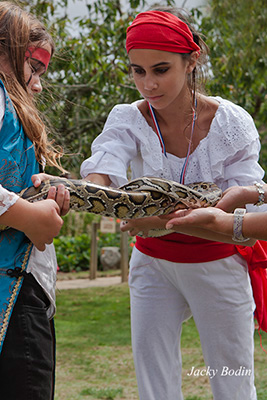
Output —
(178, 133)
(28, 263)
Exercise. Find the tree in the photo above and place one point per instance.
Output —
(236, 35)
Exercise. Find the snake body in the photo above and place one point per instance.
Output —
(142, 197)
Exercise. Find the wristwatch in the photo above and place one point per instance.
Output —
(238, 223)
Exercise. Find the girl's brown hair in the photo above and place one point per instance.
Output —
(19, 29)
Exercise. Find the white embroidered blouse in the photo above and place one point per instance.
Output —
(227, 156)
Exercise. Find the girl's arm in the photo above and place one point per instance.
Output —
(99, 179)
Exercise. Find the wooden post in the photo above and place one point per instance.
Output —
(124, 256)
(93, 258)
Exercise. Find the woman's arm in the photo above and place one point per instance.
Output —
(218, 222)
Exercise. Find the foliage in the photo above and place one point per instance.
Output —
(73, 253)
(238, 52)
(236, 35)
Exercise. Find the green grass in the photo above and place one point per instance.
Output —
(94, 358)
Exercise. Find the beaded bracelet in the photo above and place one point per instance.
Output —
(260, 190)
(238, 223)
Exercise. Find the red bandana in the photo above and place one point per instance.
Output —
(160, 31)
(40, 54)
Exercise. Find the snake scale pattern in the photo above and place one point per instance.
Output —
(142, 197)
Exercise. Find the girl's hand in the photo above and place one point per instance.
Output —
(238, 196)
(134, 226)
(43, 223)
(60, 194)
(233, 197)
(37, 179)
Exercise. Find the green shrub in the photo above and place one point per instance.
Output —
(73, 253)
(108, 239)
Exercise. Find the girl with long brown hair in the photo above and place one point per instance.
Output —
(28, 263)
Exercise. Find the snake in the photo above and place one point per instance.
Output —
(139, 198)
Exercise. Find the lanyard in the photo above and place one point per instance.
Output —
(158, 132)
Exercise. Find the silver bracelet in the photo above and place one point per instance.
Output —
(260, 190)
(238, 223)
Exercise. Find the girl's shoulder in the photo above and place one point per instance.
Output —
(128, 107)
(233, 121)
(227, 110)
(126, 114)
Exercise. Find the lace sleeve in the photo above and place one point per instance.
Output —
(7, 199)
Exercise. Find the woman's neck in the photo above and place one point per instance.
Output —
(175, 123)
(178, 113)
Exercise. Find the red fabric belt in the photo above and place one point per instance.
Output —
(189, 249)
(184, 249)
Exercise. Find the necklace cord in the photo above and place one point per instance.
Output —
(159, 134)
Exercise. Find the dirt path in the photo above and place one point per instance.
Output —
(85, 283)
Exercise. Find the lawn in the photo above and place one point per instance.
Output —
(94, 359)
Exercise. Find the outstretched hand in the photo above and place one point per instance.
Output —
(206, 218)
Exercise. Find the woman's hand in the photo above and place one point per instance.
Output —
(208, 218)
(60, 194)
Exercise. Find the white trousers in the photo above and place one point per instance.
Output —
(218, 295)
